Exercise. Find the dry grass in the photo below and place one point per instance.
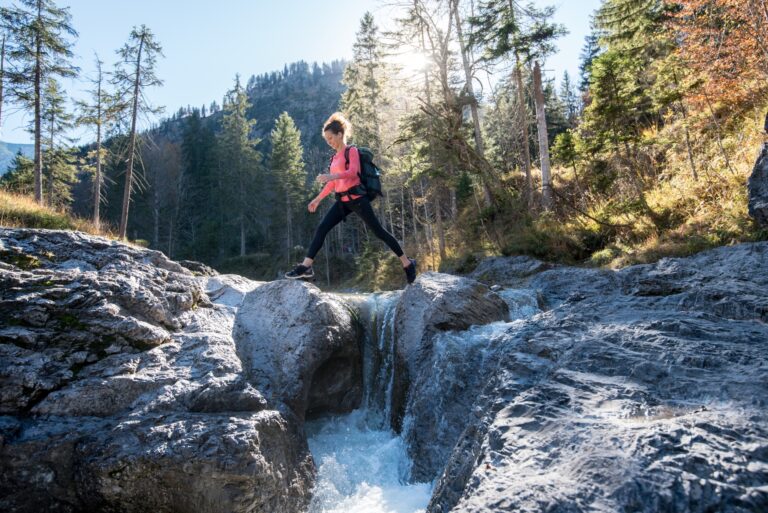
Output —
(21, 211)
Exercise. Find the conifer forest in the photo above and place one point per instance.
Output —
(483, 150)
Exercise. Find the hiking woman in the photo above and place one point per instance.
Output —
(342, 179)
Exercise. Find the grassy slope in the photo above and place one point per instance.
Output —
(19, 211)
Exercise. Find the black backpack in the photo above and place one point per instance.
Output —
(370, 175)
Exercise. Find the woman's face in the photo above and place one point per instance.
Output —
(332, 139)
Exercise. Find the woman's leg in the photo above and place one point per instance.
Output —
(362, 207)
(335, 215)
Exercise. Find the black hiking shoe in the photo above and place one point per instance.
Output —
(300, 272)
(410, 271)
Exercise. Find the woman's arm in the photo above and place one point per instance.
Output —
(351, 172)
(329, 188)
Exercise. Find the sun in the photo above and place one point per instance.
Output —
(410, 62)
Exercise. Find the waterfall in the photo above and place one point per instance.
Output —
(363, 466)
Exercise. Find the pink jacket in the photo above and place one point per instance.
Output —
(348, 178)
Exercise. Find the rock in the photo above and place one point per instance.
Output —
(121, 388)
(508, 271)
(757, 186)
(198, 268)
(300, 347)
(435, 303)
(647, 393)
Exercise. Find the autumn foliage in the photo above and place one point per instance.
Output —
(725, 43)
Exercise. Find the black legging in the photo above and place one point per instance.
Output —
(339, 211)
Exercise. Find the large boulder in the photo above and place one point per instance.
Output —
(509, 271)
(433, 304)
(121, 388)
(301, 347)
(647, 393)
(758, 188)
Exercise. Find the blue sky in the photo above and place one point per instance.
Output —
(206, 43)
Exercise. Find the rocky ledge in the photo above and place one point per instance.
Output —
(639, 390)
(130, 383)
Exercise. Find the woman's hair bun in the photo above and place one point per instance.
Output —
(338, 123)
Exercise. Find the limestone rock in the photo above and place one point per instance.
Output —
(509, 271)
(300, 347)
(121, 388)
(435, 303)
(646, 393)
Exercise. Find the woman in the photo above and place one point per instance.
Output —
(340, 180)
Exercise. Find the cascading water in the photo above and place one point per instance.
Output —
(363, 466)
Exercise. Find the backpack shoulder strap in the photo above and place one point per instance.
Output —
(346, 156)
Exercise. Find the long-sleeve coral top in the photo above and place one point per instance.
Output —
(348, 178)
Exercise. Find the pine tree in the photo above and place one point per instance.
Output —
(505, 29)
(202, 230)
(363, 77)
(589, 51)
(240, 165)
(20, 176)
(100, 112)
(58, 166)
(39, 50)
(133, 74)
(570, 100)
(287, 166)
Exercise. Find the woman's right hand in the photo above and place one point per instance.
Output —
(313, 205)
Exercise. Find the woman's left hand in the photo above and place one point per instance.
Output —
(324, 178)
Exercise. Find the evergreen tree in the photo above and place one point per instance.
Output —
(570, 100)
(20, 176)
(61, 172)
(133, 74)
(589, 51)
(363, 77)
(287, 166)
(58, 166)
(100, 113)
(39, 50)
(201, 230)
(506, 29)
(240, 166)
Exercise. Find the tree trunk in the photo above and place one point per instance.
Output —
(50, 160)
(688, 144)
(155, 222)
(131, 146)
(288, 227)
(522, 122)
(97, 179)
(471, 92)
(440, 229)
(427, 225)
(719, 135)
(242, 234)
(2, 77)
(541, 124)
(402, 214)
(38, 142)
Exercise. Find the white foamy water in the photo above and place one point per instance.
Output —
(361, 467)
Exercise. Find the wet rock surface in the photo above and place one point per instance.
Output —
(122, 388)
(301, 347)
(131, 383)
(638, 390)
(435, 303)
